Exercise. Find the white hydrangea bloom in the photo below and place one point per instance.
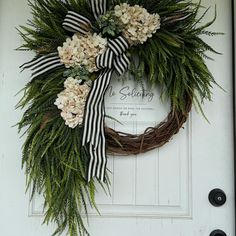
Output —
(71, 101)
(82, 50)
(139, 25)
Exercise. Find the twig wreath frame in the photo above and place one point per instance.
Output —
(121, 143)
(79, 44)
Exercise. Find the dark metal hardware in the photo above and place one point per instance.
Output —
(217, 197)
(218, 232)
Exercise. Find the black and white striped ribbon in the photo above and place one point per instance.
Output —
(43, 64)
(121, 61)
(99, 7)
(76, 23)
(114, 58)
(94, 134)
(73, 22)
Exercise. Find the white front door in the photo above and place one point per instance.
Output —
(161, 193)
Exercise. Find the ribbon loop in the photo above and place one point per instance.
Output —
(75, 23)
(121, 63)
(105, 60)
(118, 45)
(43, 64)
(114, 56)
(99, 7)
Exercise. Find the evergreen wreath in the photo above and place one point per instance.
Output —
(79, 44)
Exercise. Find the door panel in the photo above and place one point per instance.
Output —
(155, 184)
(163, 192)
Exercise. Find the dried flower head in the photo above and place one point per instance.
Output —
(71, 101)
(139, 25)
(82, 50)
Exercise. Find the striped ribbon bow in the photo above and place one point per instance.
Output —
(113, 59)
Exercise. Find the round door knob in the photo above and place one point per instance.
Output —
(218, 232)
(217, 197)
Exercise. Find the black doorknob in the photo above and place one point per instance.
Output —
(217, 197)
(218, 232)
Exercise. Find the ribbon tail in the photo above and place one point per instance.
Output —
(98, 161)
(94, 134)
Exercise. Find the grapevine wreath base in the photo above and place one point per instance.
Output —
(121, 143)
(79, 44)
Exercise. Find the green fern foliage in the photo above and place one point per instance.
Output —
(54, 163)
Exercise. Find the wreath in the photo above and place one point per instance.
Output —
(79, 45)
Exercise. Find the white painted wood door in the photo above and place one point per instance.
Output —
(164, 192)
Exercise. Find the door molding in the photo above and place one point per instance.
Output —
(234, 90)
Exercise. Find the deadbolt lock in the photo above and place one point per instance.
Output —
(218, 232)
(217, 197)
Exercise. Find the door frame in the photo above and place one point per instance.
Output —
(234, 92)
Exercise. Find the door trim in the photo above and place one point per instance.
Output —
(234, 92)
